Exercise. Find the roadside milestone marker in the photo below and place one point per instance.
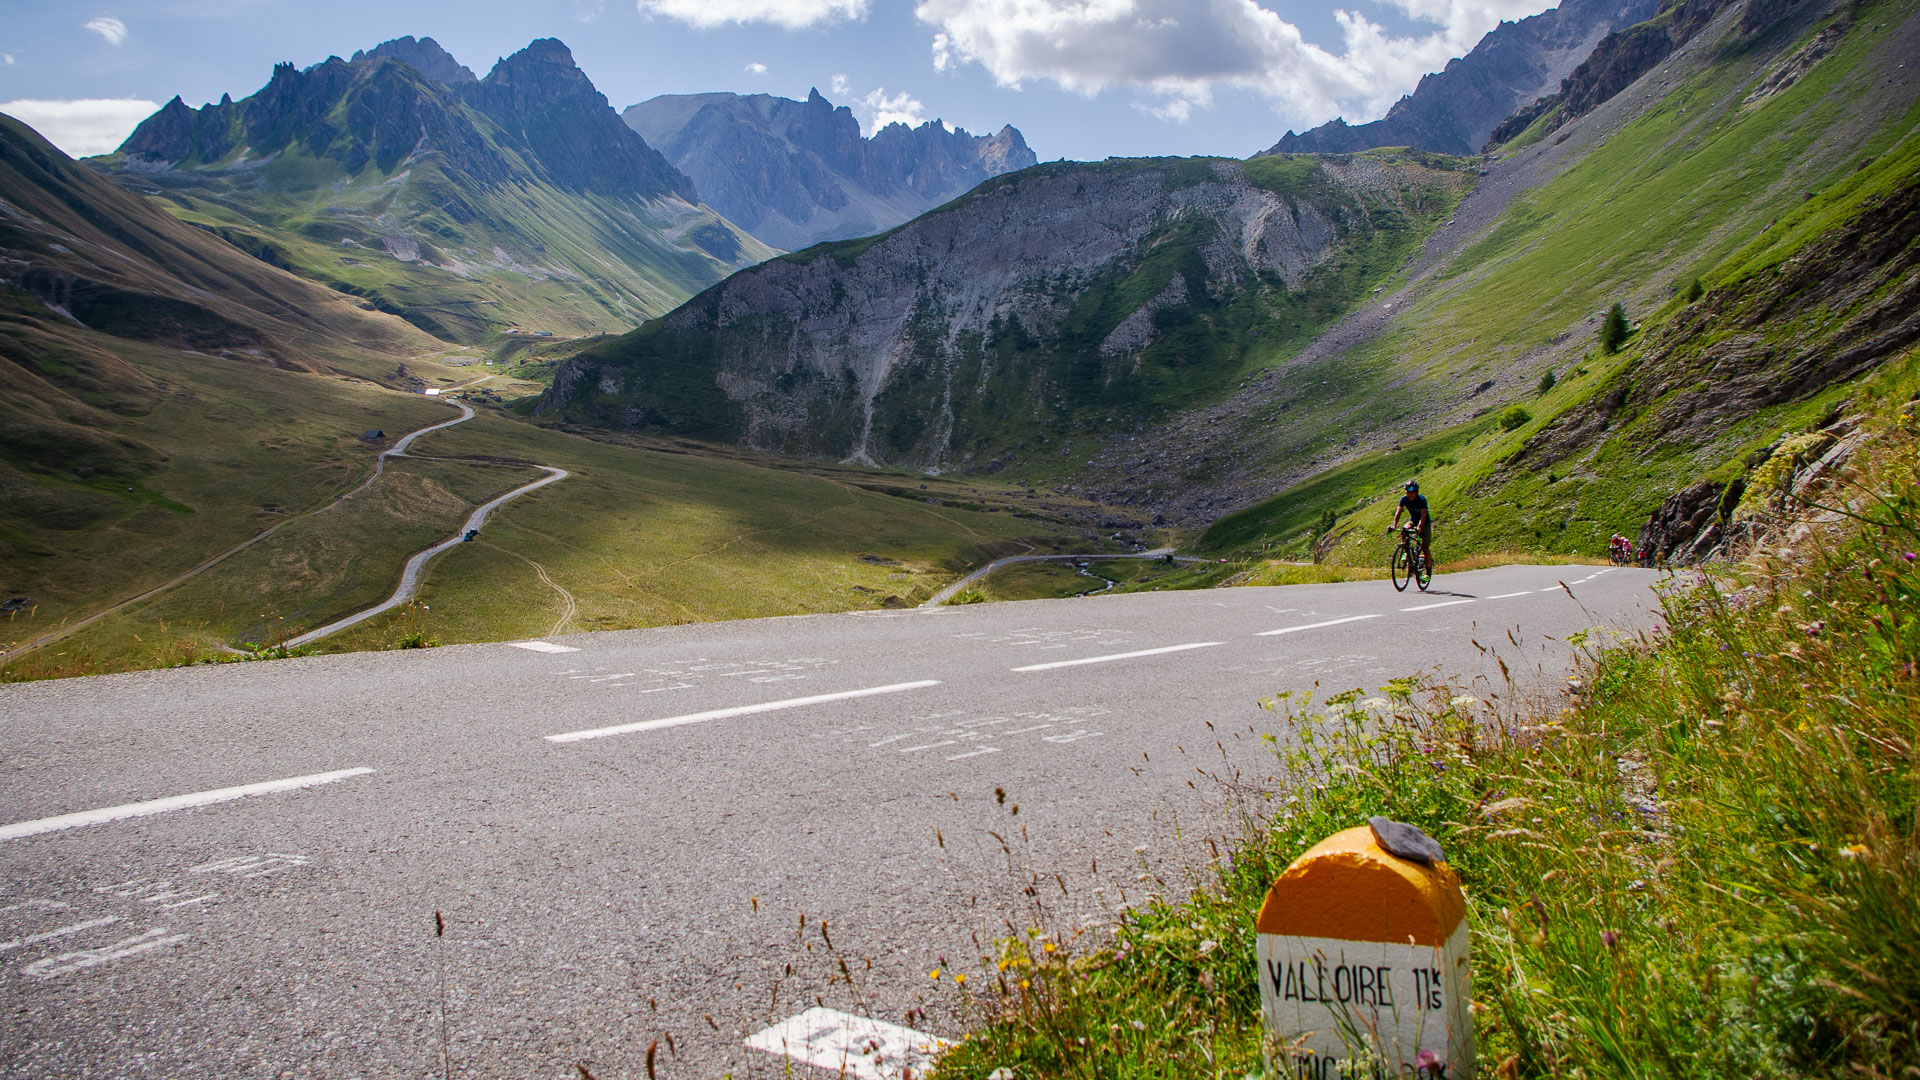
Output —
(1364, 972)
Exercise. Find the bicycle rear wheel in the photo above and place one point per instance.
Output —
(1422, 571)
(1403, 560)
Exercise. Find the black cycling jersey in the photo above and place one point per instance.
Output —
(1415, 504)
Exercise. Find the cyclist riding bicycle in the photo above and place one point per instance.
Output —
(1415, 504)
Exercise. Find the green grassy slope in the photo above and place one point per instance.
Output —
(1686, 188)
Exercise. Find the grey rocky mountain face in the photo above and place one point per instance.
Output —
(1454, 111)
(425, 56)
(795, 173)
(1056, 301)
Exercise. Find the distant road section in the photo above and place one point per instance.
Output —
(950, 591)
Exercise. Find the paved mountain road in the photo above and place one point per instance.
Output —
(651, 870)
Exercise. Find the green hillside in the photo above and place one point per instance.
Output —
(1790, 205)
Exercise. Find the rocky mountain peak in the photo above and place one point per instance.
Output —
(425, 56)
(794, 173)
(1454, 110)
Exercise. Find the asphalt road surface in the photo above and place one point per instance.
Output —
(650, 868)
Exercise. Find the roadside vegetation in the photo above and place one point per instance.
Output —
(1700, 860)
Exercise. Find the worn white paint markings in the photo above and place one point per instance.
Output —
(1315, 625)
(80, 960)
(177, 802)
(738, 710)
(851, 1045)
(542, 646)
(1119, 656)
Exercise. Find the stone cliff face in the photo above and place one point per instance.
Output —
(1064, 299)
(1453, 111)
(795, 173)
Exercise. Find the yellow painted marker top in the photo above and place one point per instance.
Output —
(1349, 889)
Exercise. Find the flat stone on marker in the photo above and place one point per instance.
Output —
(1405, 841)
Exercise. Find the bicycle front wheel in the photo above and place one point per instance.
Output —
(1403, 560)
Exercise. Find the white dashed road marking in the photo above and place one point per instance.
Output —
(1314, 626)
(1118, 656)
(176, 802)
(851, 1045)
(738, 710)
(1511, 595)
(542, 646)
(1443, 603)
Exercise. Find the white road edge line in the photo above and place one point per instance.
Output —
(1511, 595)
(1314, 625)
(738, 710)
(177, 802)
(1119, 656)
(1443, 603)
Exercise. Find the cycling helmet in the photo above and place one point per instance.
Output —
(1412, 485)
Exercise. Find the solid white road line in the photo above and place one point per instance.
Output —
(1443, 603)
(176, 802)
(1511, 595)
(1118, 656)
(738, 710)
(542, 646)
(1314, 625)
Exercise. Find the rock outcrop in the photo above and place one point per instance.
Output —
(1064, 299)
(795, 173)
(1454, 110)
(424, 56)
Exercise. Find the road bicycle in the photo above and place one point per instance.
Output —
(1408, 565)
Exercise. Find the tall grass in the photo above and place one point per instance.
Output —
(1702, 860)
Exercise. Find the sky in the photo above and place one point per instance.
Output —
(1081, 79)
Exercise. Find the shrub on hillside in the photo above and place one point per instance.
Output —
(1514, 418)
(1614, 330)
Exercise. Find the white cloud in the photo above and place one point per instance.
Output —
(6, 58)
(791, 14)
(755, 68)
(1177, 52)
(108, 27)
(587, 11)
(877, 108)
(82, 127)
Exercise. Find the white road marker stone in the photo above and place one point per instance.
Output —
(542, 646)
(738, 710)
(86, 958)
(1118, 656)
(850, 1045)
(1314, 626)
(1430, 607)
(1511, 595)
(176, 802)
(59, 932)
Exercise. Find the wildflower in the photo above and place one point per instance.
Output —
(1855, 851)
(960, 978)
(934, 974)
(1610, 939)
(1428, 1063)
(1139, 1025)
(1208, 946)
(1026, 984)
(1464, 701)
(1907, 556)
(1048, 947)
